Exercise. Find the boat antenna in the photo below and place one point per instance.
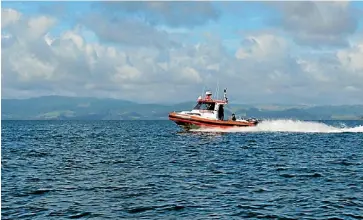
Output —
(217, 90)
(203, 92)
(225, 95)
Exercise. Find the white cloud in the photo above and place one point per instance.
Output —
(65, 62)
(189, 75)
(265, 68)
(126, 72)
(318, 24)
(262, 46)
(9, 16)
(39, 26)
(352, 58)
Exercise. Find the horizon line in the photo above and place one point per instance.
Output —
(176, 103)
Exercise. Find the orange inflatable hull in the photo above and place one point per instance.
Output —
(195, 122)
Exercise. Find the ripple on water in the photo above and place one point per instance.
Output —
(136, 170)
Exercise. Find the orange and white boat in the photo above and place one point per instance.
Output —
(209, 113)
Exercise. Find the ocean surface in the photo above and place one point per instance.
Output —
(153, 170)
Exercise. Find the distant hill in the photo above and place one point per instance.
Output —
(76, 108)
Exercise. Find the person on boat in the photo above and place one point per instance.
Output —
(210, 107)
(221, 113)
(233, 117)
(208, 96)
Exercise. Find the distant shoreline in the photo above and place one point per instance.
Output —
(168, 119)
(54, 108)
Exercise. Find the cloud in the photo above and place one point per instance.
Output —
(128, 32)
(352, 58)
(47, 65)
(9, 16)
(264, 46)
(174, 14)
(133, 59)
(318, 24)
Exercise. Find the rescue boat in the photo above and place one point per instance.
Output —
(209, 113)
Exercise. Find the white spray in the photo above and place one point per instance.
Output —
(289, 126)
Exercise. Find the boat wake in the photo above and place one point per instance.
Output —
(289, 126)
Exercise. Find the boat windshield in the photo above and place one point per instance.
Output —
(205, 106)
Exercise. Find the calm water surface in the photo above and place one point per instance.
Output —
(151, 170)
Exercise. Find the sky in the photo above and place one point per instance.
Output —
(168, 52)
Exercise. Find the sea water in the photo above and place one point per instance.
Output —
(154, 170)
